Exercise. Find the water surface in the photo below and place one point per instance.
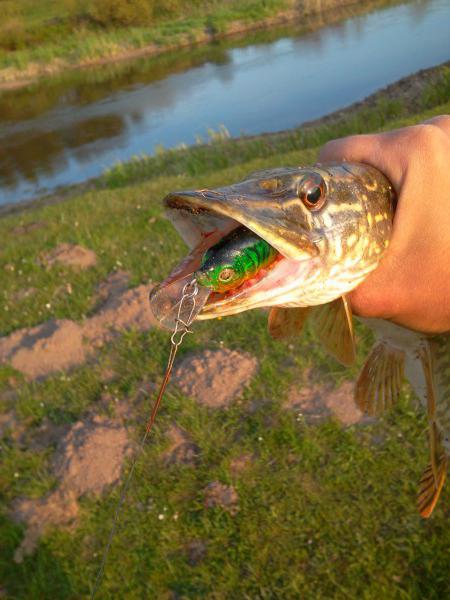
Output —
(67, 130)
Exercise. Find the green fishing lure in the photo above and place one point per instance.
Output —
(236, 258)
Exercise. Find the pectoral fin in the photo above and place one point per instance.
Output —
(380, 381)
(333, 324)
(287, 322)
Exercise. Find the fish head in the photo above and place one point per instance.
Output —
(330, 223)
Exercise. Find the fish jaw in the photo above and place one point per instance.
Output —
(219, 209)
(324, 253)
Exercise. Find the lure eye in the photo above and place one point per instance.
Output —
(311, 191)
(226, 275)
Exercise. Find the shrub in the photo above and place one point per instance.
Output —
(120, 12)
(12, 33)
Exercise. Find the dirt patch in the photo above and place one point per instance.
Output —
(9, 395)
(23, 294)
(315, 402)
(107, 375)
(125, 310)
(182, 449)
(37, 351)
(115, 284)
(28, 227)
(88, 458)
(71, 255)
(58, 345)
(215, 378)
(240, 464)
(195, 552)
(8, 424)
(46, 435)
(218, 494)
(59, 508)
(342, 405)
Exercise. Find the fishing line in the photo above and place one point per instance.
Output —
(189, 294)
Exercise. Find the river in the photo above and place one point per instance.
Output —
(66, 130)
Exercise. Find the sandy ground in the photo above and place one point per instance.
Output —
(88, 457)
(215, 377)
(58, 345)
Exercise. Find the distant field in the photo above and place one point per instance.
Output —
(43, 38)
(322, 512)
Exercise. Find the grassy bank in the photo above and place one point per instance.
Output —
(397, 102)
(324, 512)
(40, 39)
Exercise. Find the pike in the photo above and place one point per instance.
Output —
(322, 230)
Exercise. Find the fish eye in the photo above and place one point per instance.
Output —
(226, 275)
(311, 191)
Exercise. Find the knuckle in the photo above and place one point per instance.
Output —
(337, 148)
(330, 148)
(441, 121)
(379, 296)
(366, 302)
(427, 135)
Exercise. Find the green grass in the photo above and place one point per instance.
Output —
(221, 152)
(45, 38)
(324, 512)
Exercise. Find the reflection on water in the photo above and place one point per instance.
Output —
(69, 129)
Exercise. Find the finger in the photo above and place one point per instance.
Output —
(379, 296)
(380, 150)
(442, 121)
(354, 148)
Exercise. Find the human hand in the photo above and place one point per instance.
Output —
(411, 286)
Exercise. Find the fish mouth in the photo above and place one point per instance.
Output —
(203, 217)
(203, 211)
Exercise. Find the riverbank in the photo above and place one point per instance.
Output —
(409, 95)
(85, 48)
(269, 484)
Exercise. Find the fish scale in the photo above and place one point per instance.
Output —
(331, 225)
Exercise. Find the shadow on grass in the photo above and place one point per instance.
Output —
(39, 576)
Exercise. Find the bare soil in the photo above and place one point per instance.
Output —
(38, 351)
(9, 425)
(58, 345)
(315, 402)
(29, 227)
(215, 378)
(71, 255)
(239, 464)
(182, 449)
(87, 460)
(218, 494)
(196, 551)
